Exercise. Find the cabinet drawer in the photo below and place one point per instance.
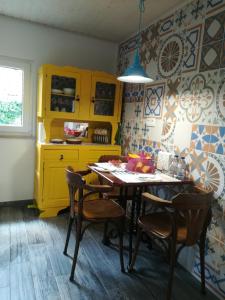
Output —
(61, 155)
(94, 155)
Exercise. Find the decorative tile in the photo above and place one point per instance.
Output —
(191, 52)
(222, 63)
(214, 28)
(180, 17)
(171, 101)
(171, 56)
(149, 44)
(211, 56)
(196, 98)
(167, 134)
(134, 93)
(181, 140)
(217, 140)
(213, 5)
(166, 25)
(195, 160)
(214, 176)
(220, 100)
(126, 144)
(214, 267)
(200, 137)
(153, 102)
(216, 228)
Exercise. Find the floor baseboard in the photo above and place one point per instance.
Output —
(17, 203)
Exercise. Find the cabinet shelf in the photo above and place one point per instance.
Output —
(63, 95)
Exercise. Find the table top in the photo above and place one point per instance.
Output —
(113, 180)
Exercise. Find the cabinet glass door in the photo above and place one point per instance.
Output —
(104, 100)
(64, 95)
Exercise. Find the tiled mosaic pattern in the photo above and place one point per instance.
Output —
(183, 110)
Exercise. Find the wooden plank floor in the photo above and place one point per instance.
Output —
(32, 265)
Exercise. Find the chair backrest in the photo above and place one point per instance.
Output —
(75, 183)
(195, 210)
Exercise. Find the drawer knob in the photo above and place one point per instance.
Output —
(61, 157)
(93, 99)
(77, 98)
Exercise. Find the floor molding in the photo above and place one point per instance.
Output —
(18, 203)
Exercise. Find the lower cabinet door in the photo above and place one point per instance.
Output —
(55, 192)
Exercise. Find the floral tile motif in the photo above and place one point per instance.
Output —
(134, 93)
(211, 56)
(214, 267)
(153, 102)
(167, 134)
(220, 100)
(171, 100)
(166, 25)
(197, 97)
(213, 5)
(200, 137)
(217, 140)
(214, 176)
(195, 160)
(149, 44)
(171, 56)
(214, 28)
(191, 52)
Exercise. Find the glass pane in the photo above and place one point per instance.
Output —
(104, 98)
(63, 90)
(11, 97)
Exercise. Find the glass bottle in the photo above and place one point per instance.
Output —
(181, 169)
(174, 166)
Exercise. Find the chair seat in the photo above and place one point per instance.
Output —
(159, 224)
(101, 209)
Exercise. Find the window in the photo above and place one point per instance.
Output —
(15, 104)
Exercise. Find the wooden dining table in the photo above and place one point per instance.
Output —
(137, 188)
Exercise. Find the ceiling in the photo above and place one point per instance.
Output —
(112, 20)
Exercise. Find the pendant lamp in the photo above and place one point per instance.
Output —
(136, 73)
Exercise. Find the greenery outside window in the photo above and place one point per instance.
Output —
(15, 104)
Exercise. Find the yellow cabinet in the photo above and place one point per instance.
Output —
(78, 94)
(105, 97)
(51, 190)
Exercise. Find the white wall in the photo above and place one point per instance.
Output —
(41, 45)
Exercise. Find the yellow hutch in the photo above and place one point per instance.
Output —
(69, 94)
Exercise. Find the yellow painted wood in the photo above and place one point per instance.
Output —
(61, 155)
(51, 191)
(105, 78)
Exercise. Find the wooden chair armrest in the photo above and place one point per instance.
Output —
(156, 200)
(98, 188)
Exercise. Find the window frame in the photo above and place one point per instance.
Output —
(26, 128)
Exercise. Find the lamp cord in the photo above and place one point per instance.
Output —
(141, 10)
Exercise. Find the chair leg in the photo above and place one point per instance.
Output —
(68, 235)
(120, 231)
(202, 262)
(172, 267)
(131, 266)
(77, 244)
(105, 239)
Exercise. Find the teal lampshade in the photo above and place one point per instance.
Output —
(135, 73)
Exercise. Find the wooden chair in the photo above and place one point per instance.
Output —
(182, 222)
(92, 211)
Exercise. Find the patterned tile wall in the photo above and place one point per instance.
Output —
(183, 110)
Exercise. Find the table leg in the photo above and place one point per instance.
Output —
(131, 225)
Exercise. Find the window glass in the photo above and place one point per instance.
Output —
(11, 97)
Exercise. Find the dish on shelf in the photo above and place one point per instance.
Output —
(74, 141)
(68, 91)
(57, 91)
(56, 141)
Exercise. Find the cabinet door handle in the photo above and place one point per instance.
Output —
(93, 99)
(61, 157)
(77, 98)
